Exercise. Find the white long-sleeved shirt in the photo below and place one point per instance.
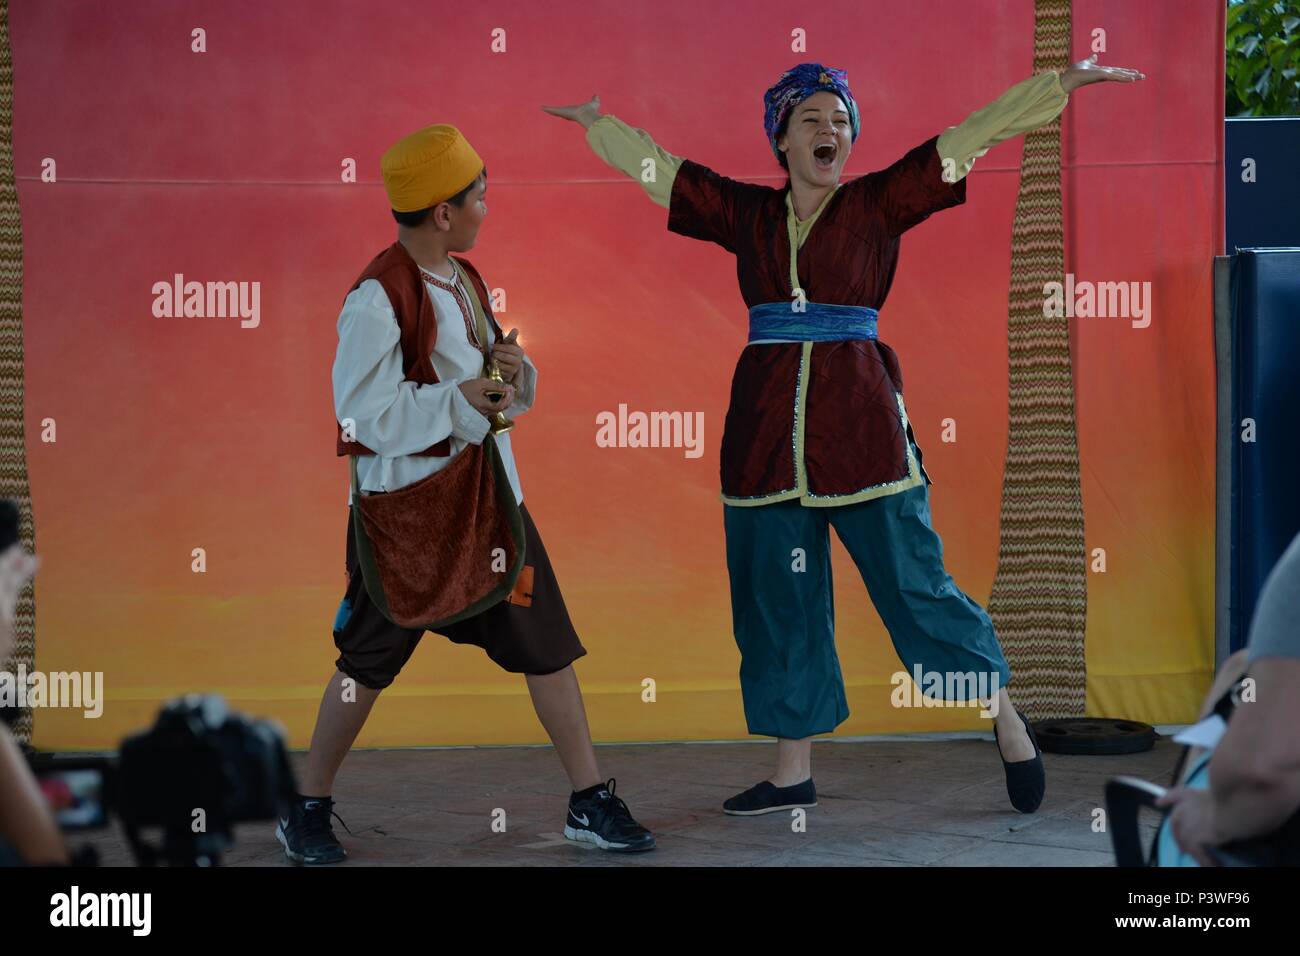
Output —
(396, 418)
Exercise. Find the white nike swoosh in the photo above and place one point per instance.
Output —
(581, 819)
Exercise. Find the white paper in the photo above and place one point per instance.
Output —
(1205, 734)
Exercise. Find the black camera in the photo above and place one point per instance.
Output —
(198, 771)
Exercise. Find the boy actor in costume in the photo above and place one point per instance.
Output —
(816, 434)
(409, 383)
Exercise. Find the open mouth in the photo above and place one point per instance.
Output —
(824, 155)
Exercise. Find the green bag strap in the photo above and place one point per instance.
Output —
(480, 320)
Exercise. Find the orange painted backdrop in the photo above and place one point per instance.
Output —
(181, 433)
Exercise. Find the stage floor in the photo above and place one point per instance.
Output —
(881, 803)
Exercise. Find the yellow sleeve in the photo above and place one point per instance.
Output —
(633, 152)
(1027, 105)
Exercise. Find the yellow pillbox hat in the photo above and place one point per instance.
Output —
(428, 167)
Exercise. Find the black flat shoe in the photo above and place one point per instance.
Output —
(1026, 779)
(766, 797)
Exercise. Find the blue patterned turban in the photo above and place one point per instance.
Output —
(795, 86)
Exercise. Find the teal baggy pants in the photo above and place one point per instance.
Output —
(783, 614)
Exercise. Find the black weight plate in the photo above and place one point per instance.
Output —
(1094, 735)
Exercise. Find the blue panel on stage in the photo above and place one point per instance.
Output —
(1265, 212)
(1265, 494)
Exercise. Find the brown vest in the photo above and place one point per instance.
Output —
(400, 277)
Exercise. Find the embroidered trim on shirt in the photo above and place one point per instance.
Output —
(915, 475)
(913, 478)
(453, 287)
(796, 439)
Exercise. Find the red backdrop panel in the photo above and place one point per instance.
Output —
(174, 434)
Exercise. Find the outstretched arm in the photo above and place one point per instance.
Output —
(627, 149)
(932, 177)
(1027, 105)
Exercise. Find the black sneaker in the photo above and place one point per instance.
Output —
(604, 820)
(766, 797)
(307, 833)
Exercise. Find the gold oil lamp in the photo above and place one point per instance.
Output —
(500, 424)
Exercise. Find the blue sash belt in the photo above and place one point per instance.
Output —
(817, 323)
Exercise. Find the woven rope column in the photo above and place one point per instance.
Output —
(1039, 602)
(13, 455)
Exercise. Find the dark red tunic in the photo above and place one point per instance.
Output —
(850, 418)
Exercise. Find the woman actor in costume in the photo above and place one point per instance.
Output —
(816, 434)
